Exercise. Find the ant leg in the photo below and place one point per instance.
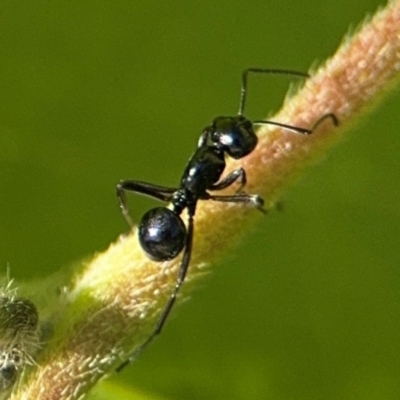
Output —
(252, 199)
(158, 192)
(304, 131)
(167, 309)
(236, 175)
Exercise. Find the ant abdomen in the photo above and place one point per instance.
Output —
(162, 234)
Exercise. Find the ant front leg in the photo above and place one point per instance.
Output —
(236, 175)
(251, 199)
(158, 192)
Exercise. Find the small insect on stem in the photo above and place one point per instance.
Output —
(162, 232)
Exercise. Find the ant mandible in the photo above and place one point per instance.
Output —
(162, 232)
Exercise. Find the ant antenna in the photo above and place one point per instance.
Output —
(297, 129)
(243, 91)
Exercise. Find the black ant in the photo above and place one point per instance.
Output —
(162, 232)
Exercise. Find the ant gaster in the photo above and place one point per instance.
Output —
(162, 232)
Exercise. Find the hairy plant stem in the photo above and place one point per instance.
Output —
(115, 300)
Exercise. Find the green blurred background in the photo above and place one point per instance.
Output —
(308, 305)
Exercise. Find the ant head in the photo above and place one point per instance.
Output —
(234, 135)
(162, 234)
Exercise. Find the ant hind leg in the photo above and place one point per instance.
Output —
(158, 192)
(171, 301)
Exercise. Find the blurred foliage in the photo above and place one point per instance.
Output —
(92, 92)
(107, 390)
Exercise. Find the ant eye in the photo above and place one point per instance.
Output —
(162, 234)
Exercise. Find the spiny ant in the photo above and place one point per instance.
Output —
(162, 232)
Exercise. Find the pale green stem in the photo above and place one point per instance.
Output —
(114, 302)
